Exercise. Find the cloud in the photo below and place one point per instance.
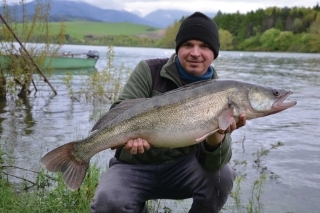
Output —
(227, 6)
(147, 6)
(109, 4)
(203, 6)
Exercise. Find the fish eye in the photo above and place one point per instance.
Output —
(276, 92)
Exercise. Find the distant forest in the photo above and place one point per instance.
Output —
(294, 29)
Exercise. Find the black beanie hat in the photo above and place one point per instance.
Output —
(199, 27)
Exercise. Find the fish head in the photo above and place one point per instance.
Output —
(267, 101)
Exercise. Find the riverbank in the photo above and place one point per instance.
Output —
(44, 121)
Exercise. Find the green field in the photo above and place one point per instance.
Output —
(99, 29)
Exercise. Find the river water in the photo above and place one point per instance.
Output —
(31, 128)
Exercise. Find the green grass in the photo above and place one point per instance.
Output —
(41, 198)
(79, 29)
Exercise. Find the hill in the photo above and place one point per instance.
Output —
(67, 10)
(75, 29)
(62, 10)
(165, 18)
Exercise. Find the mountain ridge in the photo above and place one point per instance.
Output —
(75, 10)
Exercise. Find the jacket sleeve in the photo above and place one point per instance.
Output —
(139, 84)
(216, 159)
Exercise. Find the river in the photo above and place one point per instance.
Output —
(29, 129)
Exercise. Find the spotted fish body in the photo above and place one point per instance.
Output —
(178, 118)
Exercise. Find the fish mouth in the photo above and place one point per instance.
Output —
(279, 103)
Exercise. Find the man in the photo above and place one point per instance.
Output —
(139, 172)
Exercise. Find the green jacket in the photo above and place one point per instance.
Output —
(139, 85)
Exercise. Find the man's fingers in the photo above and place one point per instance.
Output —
(140, 145)
(146, 145)
(233, 126)
(129, 145)
(137, 145)
(134, 147)
(242, 121)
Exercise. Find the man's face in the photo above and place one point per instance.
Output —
(195, 57)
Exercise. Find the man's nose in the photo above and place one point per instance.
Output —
(195, 51)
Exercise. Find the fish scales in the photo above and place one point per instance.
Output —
(160, 117)
(178, 118)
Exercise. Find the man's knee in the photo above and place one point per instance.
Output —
(100, 202)
(226, 178)
(104, 201)
(214, 192)
(227, 173)
(107, 200)
(221, 180)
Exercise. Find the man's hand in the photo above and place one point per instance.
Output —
(135, 146)
(216, 138)
(234, 125)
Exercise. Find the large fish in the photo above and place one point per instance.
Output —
(178, 118)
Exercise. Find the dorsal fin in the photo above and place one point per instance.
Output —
(114, 112)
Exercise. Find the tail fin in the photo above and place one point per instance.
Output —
(63, 160)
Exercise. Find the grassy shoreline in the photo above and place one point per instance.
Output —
(48, 193)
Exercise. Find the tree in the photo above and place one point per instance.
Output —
(297, 25)
(279, 25)
(226, 40)
(250, 44)
(315, 35)
(18, 69)
(267, 39)
(168, 41)
(284, 40)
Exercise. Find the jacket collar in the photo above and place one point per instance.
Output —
(171, 72)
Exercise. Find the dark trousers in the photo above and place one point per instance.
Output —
(125, 188)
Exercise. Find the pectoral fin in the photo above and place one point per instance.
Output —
(226, 118)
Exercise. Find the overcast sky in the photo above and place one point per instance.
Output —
(228, 6)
